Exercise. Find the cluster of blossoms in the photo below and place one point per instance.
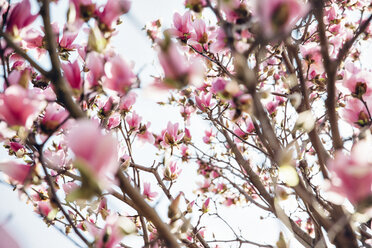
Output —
(259, 76)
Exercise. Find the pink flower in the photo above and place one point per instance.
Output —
(55, 159)
(68, 37)
(172, 171)
(147, 191)
(19, 107)
(171, 136)
(204, 101)
(97, 151)
(44, 208)
(232, 10)
(133, 121)
(186, 112)
(34, 40)
(7, 241)
(277, 16)
(69, 187)
(187, 137)
(271, 107)
(16, 171)
(356, 113)
(352, 174)
(94, 62)
(208, 136)
(72, 73)
(114, 121)
(220, 44)
(18, 149)
(243, 130)
(113, 9)
(127, 101)
(54, 116)
(205, 206)
(178, 71)
(19, 17)
(195, 5)
(144, 135)
(119, 76)
(312, 58)
(83, 9)
(199, 38)
(359, 84)
(182, 26)
(115, 229)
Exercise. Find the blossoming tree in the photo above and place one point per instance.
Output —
(281, 83)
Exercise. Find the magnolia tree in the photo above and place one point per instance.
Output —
(281, 83)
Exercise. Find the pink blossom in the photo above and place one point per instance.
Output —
(20, 17)
(115, 229)
(97, 151)
(95, 64)
(133, 121)
(113, 9)
(19, 107)
(72, 73)
(172, 171)
(182, 26)
(184, 152)
(199, 39)
(187, 134)
(232, 9)
(195, 5)
(171, 136)
(114, 121)
(119, 75)
(186, 112)
(208, 136)
(243, 130)
(68, 37)
(277, 16)
(218, 85)
(178, 71)
(144, 135)
(147, 191)
(44, 208)
(84, 9)
(127, 101)
(34, 40)
(352, 174)
(205, 206)
(16, 171)
(54, 116)
(55, 158)
(220, 44)
(7, 241)
(359, 84)
(356, 113)
(17, 148)
(69, 187)
(203, 101)
(271, 107)
(313, 58)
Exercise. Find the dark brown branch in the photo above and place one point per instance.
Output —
(62, 90)
(330, 67)
(22, 53)
(346, 47)
(147, 211)
(323, 155)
